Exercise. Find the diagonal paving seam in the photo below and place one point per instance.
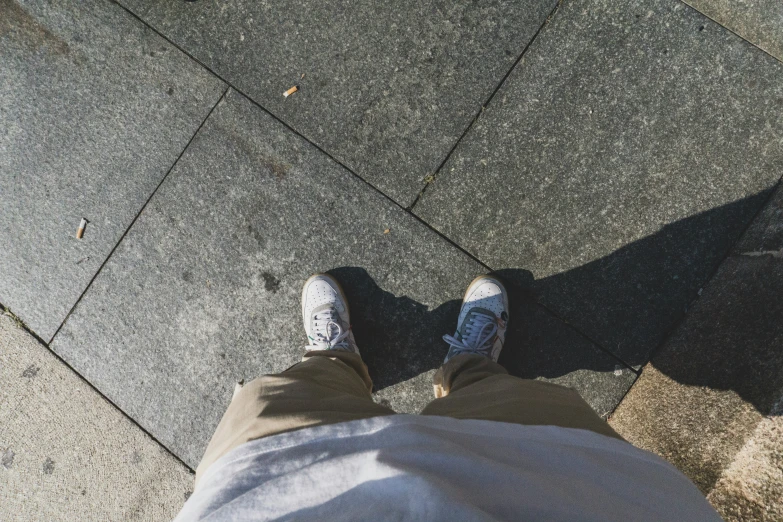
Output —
(130, 225)
(484, 105)
(19, 324)
(760, 22)
(67, 453)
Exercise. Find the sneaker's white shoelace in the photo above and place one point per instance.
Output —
(327, 332)
(479, 333)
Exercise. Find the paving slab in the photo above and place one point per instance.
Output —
(387, 88)
(618, 163)
(67, 454)
(758, 21)
(205, 288)
(95, 108)
(701, 398)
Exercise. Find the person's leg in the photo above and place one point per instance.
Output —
(327, 387)
(472, 385)
(330, 385)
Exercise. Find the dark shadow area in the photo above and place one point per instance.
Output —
(627, 302)
(400, 338)
(733, 337)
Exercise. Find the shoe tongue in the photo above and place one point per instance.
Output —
(327, 312)
(469, 318)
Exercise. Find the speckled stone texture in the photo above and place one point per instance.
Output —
(751, 488)
(205, 289)
(765, 234)
(618, 163)
(758, 21)
(387, 88)
(67, 454)
(95, 107)
(701, 398)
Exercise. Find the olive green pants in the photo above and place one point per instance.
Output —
(333, 386)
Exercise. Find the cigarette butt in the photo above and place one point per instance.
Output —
(290, 91)
(387, 231)
(302, 78)
(80, 231)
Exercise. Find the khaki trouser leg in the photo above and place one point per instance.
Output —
(474, 387)
(325, 388)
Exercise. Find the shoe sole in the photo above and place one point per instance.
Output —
(480, 279)
(333, 281)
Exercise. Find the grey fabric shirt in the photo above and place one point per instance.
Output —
(407, 467)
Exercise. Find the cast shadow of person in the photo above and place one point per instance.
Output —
(631, 299)
(400, 338)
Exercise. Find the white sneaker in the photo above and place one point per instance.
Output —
(327, 320)
(481, 327)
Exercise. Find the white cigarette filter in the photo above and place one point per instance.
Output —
(80, 232)
(290, 91)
